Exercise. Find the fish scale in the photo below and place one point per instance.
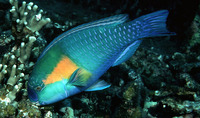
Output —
(83, 56)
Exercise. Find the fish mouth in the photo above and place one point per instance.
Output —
(32, 95)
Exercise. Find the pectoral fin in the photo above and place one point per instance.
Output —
(80, 77)
(99, 85)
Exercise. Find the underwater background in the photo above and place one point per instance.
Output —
(161, 80)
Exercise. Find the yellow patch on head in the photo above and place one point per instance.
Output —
(63, 70)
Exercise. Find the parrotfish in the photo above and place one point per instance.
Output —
(74, 61)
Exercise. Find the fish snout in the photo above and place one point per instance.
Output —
(32, 95)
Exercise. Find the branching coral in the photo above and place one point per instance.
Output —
(27, 20)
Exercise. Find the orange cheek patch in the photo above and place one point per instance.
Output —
(63, 70)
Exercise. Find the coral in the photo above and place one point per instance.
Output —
(48, 114)
(196, 36)
(15, 64)
(5, 39)
(69, 113)
(7, 110)
(26, 19)
(27, 109)
(129, 93)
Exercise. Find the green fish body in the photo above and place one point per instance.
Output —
(76, 59)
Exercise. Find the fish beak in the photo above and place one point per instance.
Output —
(32, 95)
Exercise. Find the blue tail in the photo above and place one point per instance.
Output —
(153, 24)
(150, 25)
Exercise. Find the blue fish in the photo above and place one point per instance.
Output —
(74, 61)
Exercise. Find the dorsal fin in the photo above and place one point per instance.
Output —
(113, 20)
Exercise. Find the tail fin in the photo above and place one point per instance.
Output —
(153, 24)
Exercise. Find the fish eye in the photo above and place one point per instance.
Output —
(38, 88)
